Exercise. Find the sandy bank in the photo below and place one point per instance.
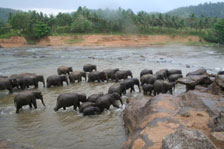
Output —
(101, 40)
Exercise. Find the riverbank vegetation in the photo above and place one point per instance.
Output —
(33, 25)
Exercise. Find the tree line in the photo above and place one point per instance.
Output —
(34, 25)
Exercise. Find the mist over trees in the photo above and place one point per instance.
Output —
(34, 25)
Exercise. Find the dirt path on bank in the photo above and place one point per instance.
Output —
(101, 40)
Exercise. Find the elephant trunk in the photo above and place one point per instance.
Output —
(42, 101)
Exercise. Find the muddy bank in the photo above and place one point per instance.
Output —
(150, 120)
(101, 40)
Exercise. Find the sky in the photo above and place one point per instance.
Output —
(55, 6)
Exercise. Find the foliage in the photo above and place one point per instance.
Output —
(40, 30)
(219, 29)
(81, 24)
(36, 25)
(206, 10)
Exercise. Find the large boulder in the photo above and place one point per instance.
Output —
(197, 72)
(192, 80)
(187, 139)
(219, 79)
(150, 120)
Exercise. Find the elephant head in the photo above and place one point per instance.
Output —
(103, 76)
(64, 79)
(82, 97)
(94, 67)
(41, 79)
(116, 96)
(70, 69)
(129, 73)
(38, 95)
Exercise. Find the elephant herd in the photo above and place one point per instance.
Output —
(162, 81)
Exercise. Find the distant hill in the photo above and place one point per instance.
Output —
(4, 13)
(206, 10)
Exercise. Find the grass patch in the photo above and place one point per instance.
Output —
(73, 41)
(8, 35)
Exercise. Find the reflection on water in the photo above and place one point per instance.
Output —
(45, 128)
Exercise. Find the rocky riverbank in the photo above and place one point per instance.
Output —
(196, 117)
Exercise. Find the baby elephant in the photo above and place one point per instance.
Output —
(27, 98)
(91, 110)
(69, 99)
(147, 88)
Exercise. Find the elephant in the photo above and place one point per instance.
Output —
(64, 70)
(56, 80)
(111, 73)
(69, 99)
(97, 76)
(75, 76)
(86, 104)
(26, 79)
(221, 72)
(117, 88)
(5, 83)
(105, 101)
(94, 97)
(147, 88)
(83, 75)
(174, 71)
(174, 77)
(136, 82)
(161, 86)
(91, 110)
(148, 79)
(3, 76)
(123, 74)
(27, 98)
(146, 71)
(197, 72)
(129, 84)
(89, 68)
(169, 86)
(162, 74)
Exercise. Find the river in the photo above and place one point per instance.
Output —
(44, 128)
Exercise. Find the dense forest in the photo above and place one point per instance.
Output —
(201, 10)
(35, 25)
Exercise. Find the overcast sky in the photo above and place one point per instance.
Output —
(55, 6)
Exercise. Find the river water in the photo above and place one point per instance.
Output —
(44, 128)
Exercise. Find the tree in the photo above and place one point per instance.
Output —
(219, 29)
(81, 25)
(40, 30)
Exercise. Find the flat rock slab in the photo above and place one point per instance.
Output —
(187, 139)
(193, 80)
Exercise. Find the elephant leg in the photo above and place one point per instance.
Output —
(17, 108)
(64, 108)
(171, 92)
(30, 104)
(74, 107)
(154, 93)
(35, 104)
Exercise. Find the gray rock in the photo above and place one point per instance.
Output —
(187, 139)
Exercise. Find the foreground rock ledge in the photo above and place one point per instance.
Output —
(150, 120)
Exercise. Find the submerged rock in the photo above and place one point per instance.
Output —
(187, 139)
